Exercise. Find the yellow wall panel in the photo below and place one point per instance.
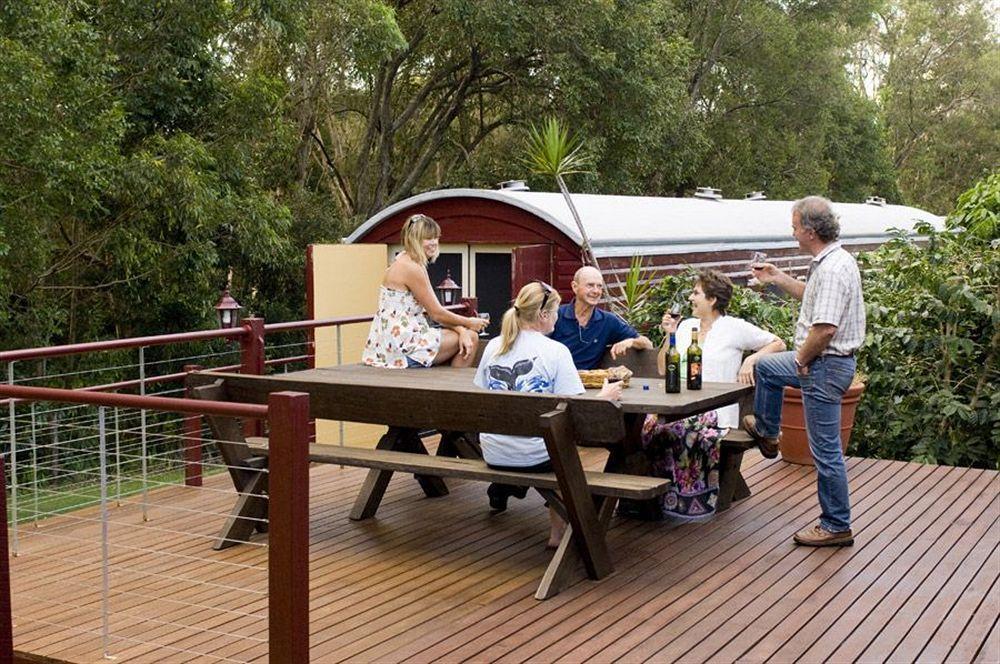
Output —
(346, 279)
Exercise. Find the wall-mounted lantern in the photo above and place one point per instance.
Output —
(448, 291)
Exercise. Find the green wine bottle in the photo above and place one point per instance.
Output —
(694, 362)
(673, 381)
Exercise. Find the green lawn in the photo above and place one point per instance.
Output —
(55, 499)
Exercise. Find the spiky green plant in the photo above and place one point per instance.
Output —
(634, 292)
(553, 151)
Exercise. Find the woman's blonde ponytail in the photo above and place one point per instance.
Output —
(510, 327)
(526, 309)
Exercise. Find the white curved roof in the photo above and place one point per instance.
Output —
(643, 225)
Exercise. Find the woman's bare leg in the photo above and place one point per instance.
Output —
(449, 347)
(459, 361)
(557, 528)
(449, 350)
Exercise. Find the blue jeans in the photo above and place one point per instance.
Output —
(822, 391)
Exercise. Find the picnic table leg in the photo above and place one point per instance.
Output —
(588, 534)
(249, 512)
(376, 481)
(630, 459)
(732, 486)
(374, 486)
(434, 487)
(566, 560)
(459, 444)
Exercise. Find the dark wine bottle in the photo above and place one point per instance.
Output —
(673, 381)
(694, 362)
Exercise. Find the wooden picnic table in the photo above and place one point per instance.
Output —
(334, 395)
(445, 399)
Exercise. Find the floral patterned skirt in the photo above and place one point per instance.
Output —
(687, 453)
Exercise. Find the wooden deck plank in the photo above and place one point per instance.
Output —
(948, 631)
(523, 614)
(442, 579)
(722, 544)
(781, 619)
(828, 597)
(915, 605)
(744, 581)
(989, 652)
(972, 645)
(784, 573)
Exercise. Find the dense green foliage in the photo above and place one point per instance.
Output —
(148, 149)
(931, 359)
(767, 311)
(932, 356)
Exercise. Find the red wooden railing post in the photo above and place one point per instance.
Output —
(252, 363)
(192, 442)
(252, 347)
(471, 305)
(6, 617)
(288, 528)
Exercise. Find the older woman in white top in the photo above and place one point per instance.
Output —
(687, 451)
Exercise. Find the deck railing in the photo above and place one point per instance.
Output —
(132, 558)
(136, 465)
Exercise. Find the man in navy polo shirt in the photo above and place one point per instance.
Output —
(586, 330)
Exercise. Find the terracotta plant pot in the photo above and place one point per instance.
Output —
(794, 445)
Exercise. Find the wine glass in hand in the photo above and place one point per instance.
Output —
(486, 317)
(671, 318)
(756, 260)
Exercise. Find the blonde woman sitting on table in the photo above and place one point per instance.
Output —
(524, 359)
(687, 451)
(400, 335)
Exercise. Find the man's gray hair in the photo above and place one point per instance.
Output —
(817, 213)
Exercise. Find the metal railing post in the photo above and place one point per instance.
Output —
(118, 458)
(192, 442)
(34, 465)
(288, 528)
(340, 360)
(103, 450)
(6, 613)
(142, 435)
(15, 548)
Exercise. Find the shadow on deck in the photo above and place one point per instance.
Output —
(443, 580)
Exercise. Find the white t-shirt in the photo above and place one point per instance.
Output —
(534, 363)
(722, 354)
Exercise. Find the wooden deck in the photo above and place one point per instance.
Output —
(443, 580)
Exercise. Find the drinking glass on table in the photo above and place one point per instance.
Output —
(757, 258)
(485, 315)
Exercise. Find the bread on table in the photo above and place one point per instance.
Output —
(594, 378)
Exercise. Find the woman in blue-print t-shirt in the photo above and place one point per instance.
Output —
(524, 359)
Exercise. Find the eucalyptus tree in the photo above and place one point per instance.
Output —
(933, 68)
(445, 86)
(137, 167)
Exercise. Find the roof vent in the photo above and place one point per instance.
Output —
(708, 193)
(513, 185)
(755, 196)
(875, 200)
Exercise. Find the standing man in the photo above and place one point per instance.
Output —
(830, 328)
(587, 330)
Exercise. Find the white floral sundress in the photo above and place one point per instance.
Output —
(400, 330)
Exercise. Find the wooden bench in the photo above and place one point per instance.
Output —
(732, 484)
(586, 500)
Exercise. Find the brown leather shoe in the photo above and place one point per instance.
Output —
(819, 536)
(768, 446)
